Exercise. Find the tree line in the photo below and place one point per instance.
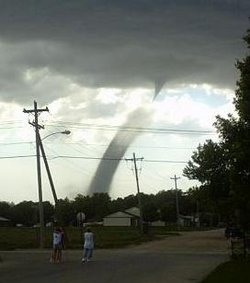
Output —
(160, 206)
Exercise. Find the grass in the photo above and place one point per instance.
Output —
(12, 238)
(235, 271)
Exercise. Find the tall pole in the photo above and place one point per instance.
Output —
(39, 179)
(176, 200)
(134, 159)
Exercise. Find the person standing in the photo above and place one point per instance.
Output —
(57, 245)
(88, 245)
(62, 244)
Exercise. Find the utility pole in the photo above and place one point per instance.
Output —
(134, 159)
(176, 200)
(35, 124)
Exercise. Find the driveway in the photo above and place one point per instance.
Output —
(175, 259)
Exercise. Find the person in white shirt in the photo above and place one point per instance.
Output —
(88, 245)
(57, 246)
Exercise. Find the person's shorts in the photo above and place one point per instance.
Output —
(57, 247)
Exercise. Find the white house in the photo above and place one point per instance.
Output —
(129, 217)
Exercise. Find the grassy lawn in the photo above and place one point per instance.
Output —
(235, 271)
(105, 237)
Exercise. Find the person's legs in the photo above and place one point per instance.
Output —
(85, 254)
(59, 255)
(90, 254)
(53, 255)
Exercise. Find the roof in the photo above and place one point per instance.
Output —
(133, 211)
(4, 219)
(129, 213)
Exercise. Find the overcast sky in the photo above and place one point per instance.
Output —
(101, 65)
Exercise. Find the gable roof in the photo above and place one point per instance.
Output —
(133, 211)
(119, 214)
(128, 213)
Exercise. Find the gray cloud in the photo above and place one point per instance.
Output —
(119, 43)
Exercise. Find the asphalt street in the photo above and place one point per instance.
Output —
(161, 261)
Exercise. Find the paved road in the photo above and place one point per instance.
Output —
(182, 259)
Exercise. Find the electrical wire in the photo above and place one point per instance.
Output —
(130, 129)
(94, 158)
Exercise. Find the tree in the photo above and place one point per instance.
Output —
(5, 209)
(224, 168)
(235, 135)
(65, 212)
(49, 211)
(24, 213)
(209, 166)
(100, 202)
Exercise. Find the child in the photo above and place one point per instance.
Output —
(57, 246)
(88, 245)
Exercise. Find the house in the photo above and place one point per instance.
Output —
(129, 217)
(4, 221)
(186, 221)
(158, 223)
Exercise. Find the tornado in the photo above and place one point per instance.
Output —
(159, 84)
(115, 151)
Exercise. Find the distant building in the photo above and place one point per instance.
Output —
(129, 217)
(4, 221)
(158, 223)
(186, 220)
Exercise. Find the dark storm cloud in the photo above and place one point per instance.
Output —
(100, 43)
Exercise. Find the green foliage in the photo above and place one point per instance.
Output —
(5, 209)
(18, 238)
(161, 206)
(64, 212)
(223, 168)
(25, 213)
(105, 237)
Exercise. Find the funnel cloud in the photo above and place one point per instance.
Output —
(105, 172)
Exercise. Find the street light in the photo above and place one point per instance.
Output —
(41, 210)
(65, 132)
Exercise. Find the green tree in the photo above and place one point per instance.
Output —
(223, 168)
(100, 202)
(49, 212)
(24, 213)
(235, 135)
(209, 165)
(64, 212)
(5, 209)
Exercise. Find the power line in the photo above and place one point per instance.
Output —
(96, 158)
(101, 145)
(17, 156)
(133, 129)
